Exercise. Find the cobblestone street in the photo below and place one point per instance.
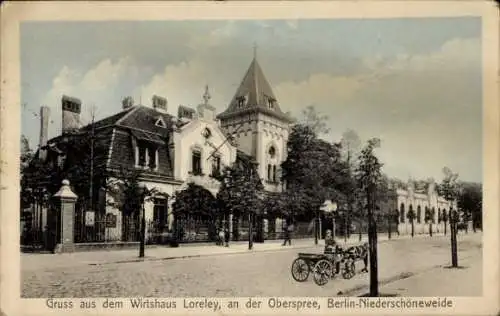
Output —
(243, 274)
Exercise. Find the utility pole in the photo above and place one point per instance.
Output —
(346, 222)
(91, 187)
(143, 228)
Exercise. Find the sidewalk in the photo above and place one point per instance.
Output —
(100, 257)
(439, 281)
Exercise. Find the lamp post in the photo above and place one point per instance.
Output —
(330, 208)
(143, 193)
(143, 232)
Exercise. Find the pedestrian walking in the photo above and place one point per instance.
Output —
(221, 235)
(288, 234)
(226, 236)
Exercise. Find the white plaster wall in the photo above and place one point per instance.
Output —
(271, 131)
(190, 136)
(115, 234)
(430, 200)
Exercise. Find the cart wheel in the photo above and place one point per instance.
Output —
(349, 270)
(300, 270)
(323, 271)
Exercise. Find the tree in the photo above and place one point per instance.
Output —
(195, 200)
(449, 189)
(240, 194)
(411, 217)
(129, 195)
(350, 145)
(444, 218)
(470, 202)
(316, 121)
(313, 171)
(369, 177)
(429, 218)
(395, 216)
(386, 194)
(27, 155)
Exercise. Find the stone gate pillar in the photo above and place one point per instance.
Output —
(170, 212)
(65, 200)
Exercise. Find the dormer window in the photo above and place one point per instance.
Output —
(160, 122)
(241, 101)
(270, 102)
(146, 156)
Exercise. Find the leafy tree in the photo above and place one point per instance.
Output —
(449, 189)
(240, 193)
(350, 145)
(129, 195)
(444, 218)
(411, 217)
(80, 157)
(27, 155)
(369, 177)
(316, 121)
(470, 202)
(395, 217)
(385, 194)
(193, 201)
(429, 218)
(313, 172)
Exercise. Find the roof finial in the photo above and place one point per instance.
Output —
(254, 50)
(206, 95)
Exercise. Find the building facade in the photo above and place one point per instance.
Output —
(172, 152)
(422, 200)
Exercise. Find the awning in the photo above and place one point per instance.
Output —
(148, 137)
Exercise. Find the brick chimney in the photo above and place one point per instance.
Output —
(71, 109)
(44, 130)
(185, 114)
(159, 104)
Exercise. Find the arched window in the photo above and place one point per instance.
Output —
(196, 168)
(272, 152)
(269, 172)
(274, 173)
(419, 214)
(411, 214)
(433, 215)
(402, 213)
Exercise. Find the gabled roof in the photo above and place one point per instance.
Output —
(108, 121)
(144, 118)
(136, 117)
(256, 92)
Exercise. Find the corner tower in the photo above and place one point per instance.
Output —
(255, 120)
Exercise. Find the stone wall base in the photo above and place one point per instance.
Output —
(64, 248)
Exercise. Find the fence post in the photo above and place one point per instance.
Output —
(66, 200)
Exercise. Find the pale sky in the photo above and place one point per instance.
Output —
(414, 83)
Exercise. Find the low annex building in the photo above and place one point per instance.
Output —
(421, 199)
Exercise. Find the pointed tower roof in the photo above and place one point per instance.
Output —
(254, 94)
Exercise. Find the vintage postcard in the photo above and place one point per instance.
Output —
(249, 158)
